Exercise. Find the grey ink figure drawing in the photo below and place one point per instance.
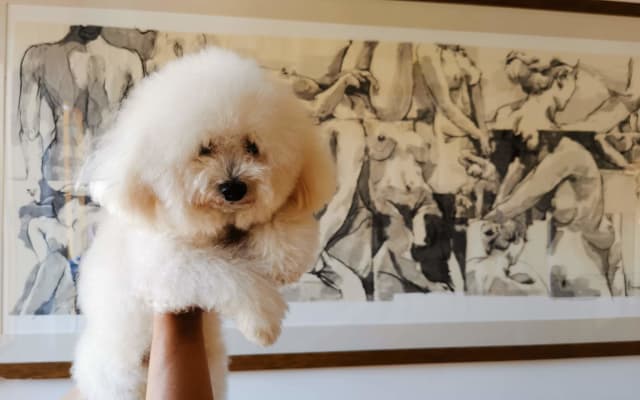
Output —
(474, 170)
(69, 92)
(437, 195)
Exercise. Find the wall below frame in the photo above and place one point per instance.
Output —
(584, 379)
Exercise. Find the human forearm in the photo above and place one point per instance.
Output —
(524, 196)
(463, 122)
(478, 106)
(514, 175)
(327, 101)
(178, 366)
(432, 71)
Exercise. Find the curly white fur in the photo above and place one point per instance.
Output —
(170, 240)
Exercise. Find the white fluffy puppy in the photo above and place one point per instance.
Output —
(210, 178)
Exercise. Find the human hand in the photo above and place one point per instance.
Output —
(486, 144)
(357, 77)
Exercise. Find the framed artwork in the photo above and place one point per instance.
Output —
(622, 8)
(487, 193)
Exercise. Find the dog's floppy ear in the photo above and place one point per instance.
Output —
(139, 201)
(316, 183)
(113, 176)
(131, 198)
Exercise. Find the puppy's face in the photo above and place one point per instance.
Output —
(227, 173)
(239, 149)
(236, 177)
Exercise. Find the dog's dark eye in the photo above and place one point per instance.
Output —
(251, 148)
(206, 149)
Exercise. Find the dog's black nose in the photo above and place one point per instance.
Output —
(233, 190)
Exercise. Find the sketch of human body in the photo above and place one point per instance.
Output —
(616, 118)
(80, 82)
(169, 46)
(567, 172)
(434, 194)
(399, 194)
(340, 92)
(82, 86)
(621, 102)
(495, 265)
(141, 42)
(58, 244)
(452, 84)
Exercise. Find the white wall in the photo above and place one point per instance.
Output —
(588, 379)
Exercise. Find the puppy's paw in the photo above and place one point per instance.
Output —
(176, 300)
(263, 333)
(262, 323)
